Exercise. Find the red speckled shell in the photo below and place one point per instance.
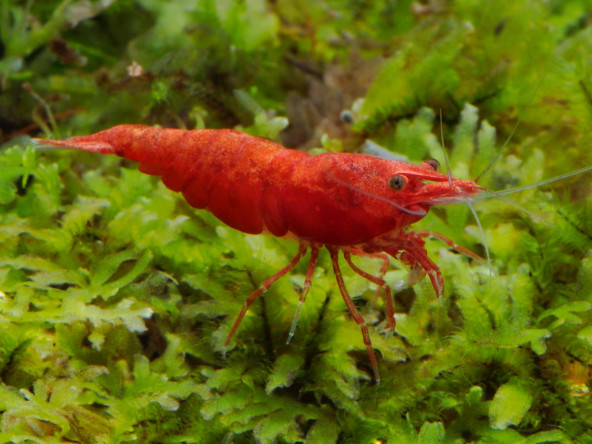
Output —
(253, 184)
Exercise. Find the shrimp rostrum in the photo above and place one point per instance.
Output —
(352, 204)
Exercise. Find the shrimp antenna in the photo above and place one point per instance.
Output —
(502, 149)
(502, 193)
(479, 226)
(375, 196)
(514, 204)
(482, 233)
(499, 154)
(491, 194)
(543, 182)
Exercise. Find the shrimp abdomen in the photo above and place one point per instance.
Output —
(223, 171)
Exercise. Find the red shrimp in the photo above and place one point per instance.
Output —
(350, 203)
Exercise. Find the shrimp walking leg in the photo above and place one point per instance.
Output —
(378, 280)
(451, 244)
(417, 257)
(263, 288)
(314, 254)
(409, 249)
(383, 269)
(354, 311)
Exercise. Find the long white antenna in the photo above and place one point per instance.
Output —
(482, 237)
(544, 182)
(499, 154)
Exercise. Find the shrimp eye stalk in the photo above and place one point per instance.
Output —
(397, 182)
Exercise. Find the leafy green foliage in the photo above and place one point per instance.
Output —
(509, 405)
(116, 297)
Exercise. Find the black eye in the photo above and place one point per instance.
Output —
(397, 182)
(433, 163)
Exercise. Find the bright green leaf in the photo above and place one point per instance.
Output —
(509, 405)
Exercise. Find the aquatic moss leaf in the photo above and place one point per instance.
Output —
(509, 405)
(102, 281)
(567, 313)
(431, 432)
(284, 372)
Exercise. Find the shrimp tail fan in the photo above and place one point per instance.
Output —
(81, 143)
